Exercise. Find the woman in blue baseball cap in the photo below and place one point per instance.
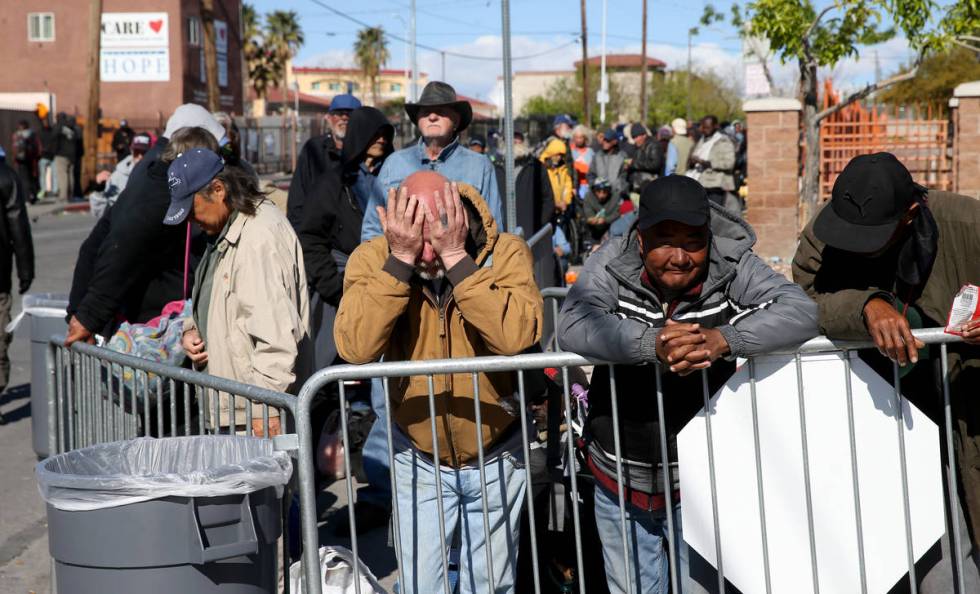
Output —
(250, 301)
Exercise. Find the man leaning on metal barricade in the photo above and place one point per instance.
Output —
(443, 282)
(681, 292)
(886, 256)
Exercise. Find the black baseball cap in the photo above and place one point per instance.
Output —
(869, 199)
(673, 198)
(187, 175)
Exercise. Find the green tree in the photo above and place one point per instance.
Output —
(259, 59)
(283, 38)
(934, 81)
(371, 55)
(813, 37)
(565, 96)
(709, 95)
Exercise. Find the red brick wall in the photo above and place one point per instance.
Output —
(967, 146)
(773, 174)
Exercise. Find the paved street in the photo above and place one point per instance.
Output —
(24, 562)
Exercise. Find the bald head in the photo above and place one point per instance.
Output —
(424, 185)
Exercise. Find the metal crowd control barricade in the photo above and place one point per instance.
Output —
(96, 395)
(564, 361)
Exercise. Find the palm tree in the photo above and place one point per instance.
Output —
(371, 54)
(283, 38)
(262, 71)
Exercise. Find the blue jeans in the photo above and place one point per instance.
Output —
(462, 504)
(646, 534)
(43, 167)
(375, 453)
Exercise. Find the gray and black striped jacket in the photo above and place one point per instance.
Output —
(610, 315)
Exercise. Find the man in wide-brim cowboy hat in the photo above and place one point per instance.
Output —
(440, 116)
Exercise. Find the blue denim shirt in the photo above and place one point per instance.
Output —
(671, 165)
(456, 162)
(364, 186)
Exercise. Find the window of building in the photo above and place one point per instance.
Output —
(355, 87)
(40, 26)
(316, 86)
(395, 88)
(193, 31)
(335, 86)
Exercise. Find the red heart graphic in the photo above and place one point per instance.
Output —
(156, 25)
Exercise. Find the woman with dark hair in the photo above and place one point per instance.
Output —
(250, 304)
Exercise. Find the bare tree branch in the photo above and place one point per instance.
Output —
(972, 48)
(816, 21)
(970, 37)
(871, 88)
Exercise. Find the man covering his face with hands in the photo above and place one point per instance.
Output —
(443, 282)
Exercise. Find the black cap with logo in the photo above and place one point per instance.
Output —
(869, 199)
(673, 198)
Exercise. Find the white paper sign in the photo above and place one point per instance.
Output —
(756, 82)
(780, 449)
(135, 47)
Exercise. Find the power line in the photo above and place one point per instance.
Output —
(441, 51)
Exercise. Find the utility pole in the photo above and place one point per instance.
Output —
(586, 112)
(690, 33)
(443, 54)
(412, 57)
(509, 192)
(90, 138)
(603, 95)
(643, 69)
(210, 55)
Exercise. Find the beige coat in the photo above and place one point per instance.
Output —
(258, 318)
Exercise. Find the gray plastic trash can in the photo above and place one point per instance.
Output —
(46, 314)
(196, 515)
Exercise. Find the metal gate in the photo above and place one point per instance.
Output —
(917, 135)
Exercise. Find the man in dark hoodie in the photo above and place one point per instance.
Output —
(331, 224)
(682, 290)
(329, 233)
(319, 155)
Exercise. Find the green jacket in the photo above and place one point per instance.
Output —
(842, 295)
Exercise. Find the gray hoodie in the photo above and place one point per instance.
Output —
(611, 315)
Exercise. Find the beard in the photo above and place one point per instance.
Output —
(430, 273)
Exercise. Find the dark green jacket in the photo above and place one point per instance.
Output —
(842, 283)
(843, 292)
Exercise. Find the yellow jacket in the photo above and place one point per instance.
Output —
(561, 180)
(494, 308)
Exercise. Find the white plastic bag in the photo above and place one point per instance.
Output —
(336, 574)
(125, 472)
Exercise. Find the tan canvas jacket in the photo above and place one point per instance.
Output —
(495, 309)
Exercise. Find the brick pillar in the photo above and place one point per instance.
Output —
(966, 138)
(774, 174)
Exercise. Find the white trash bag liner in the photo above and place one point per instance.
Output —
(125, 472)
(336, 573)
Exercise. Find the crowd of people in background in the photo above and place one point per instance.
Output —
(403, 254)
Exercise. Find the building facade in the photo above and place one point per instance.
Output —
(151, 59)
(327, 82)
(623, 71)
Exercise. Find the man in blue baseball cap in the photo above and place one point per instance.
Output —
(319, 155)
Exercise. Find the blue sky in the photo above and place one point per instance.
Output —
(543, 28)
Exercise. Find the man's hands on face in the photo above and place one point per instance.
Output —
(402, 221)
(77, 332)
(685, 348)
(449, 226)
(971, 332)
(194, 347)
(890, 332)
